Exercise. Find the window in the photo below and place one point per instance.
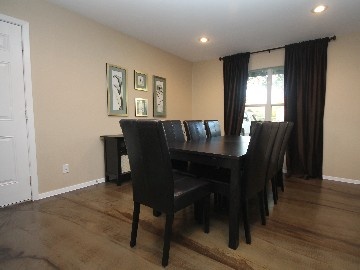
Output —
(264, 97)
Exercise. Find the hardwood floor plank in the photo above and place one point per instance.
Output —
(315, 225)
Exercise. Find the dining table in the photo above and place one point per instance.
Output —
(222, 151)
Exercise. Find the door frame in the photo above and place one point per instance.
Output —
(30, 127)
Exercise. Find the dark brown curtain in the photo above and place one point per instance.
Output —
(305, 87)
(235, 73)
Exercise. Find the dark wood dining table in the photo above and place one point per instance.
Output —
(223, 151)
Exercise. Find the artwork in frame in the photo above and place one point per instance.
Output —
(141, 107)
(140, 81)
(116, 88)
(159, 96)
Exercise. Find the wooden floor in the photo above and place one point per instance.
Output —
(315, 225)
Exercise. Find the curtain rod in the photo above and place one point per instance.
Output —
(277, 48)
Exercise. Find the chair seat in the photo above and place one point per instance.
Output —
(187, 189)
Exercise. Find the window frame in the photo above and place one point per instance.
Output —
(268, 105)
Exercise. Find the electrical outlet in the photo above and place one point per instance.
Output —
(66, 168)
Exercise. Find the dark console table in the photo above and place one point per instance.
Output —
(114, 148)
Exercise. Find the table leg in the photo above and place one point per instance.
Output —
(234, 203)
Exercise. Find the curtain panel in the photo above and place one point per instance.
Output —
(304, 98)
(235, 75)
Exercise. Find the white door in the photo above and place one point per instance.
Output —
(14, 152)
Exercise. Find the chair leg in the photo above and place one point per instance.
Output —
(266, 204)
(261, 206)
(246, 221)
(206, 203)
(135, 223)
(217, 200)
(280, 180)
(220, 202)
(273, 187)
(156, 213)
(225, 203)
(198, 212)
(167, 238)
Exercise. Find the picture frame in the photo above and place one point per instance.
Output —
(140, 81)
(141, 107)
(116, 90)
(159, 85)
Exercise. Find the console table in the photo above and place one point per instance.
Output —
(114, 149)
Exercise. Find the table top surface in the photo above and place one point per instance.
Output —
(223, 146)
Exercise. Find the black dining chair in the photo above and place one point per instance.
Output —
(153, 180)
(212, 128)
(174, 133)
(253, 126)
(195, 130)
(279, 175)
(273, 163)
(255, 170)
(255, 167)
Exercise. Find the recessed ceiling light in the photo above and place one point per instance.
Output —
(204, 39)
(319, 9)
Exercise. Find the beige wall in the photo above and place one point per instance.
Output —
(68, 58)
(342, 109)
(207, 96)
(341, 124)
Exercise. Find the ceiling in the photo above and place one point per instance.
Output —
(232, 26)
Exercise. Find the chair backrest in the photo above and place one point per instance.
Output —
(253, 126)
(257, 158)
(284, 145)
(173, 131)
(195, 130)
(275, 153)
(212, 128)
(150, 163)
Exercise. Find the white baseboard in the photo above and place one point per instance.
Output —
(338, 179)
(344, 180)
(70, 188)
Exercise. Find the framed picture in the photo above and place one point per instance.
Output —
(159, 96)
(140, 81)
(117, 92)
(141, 107)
